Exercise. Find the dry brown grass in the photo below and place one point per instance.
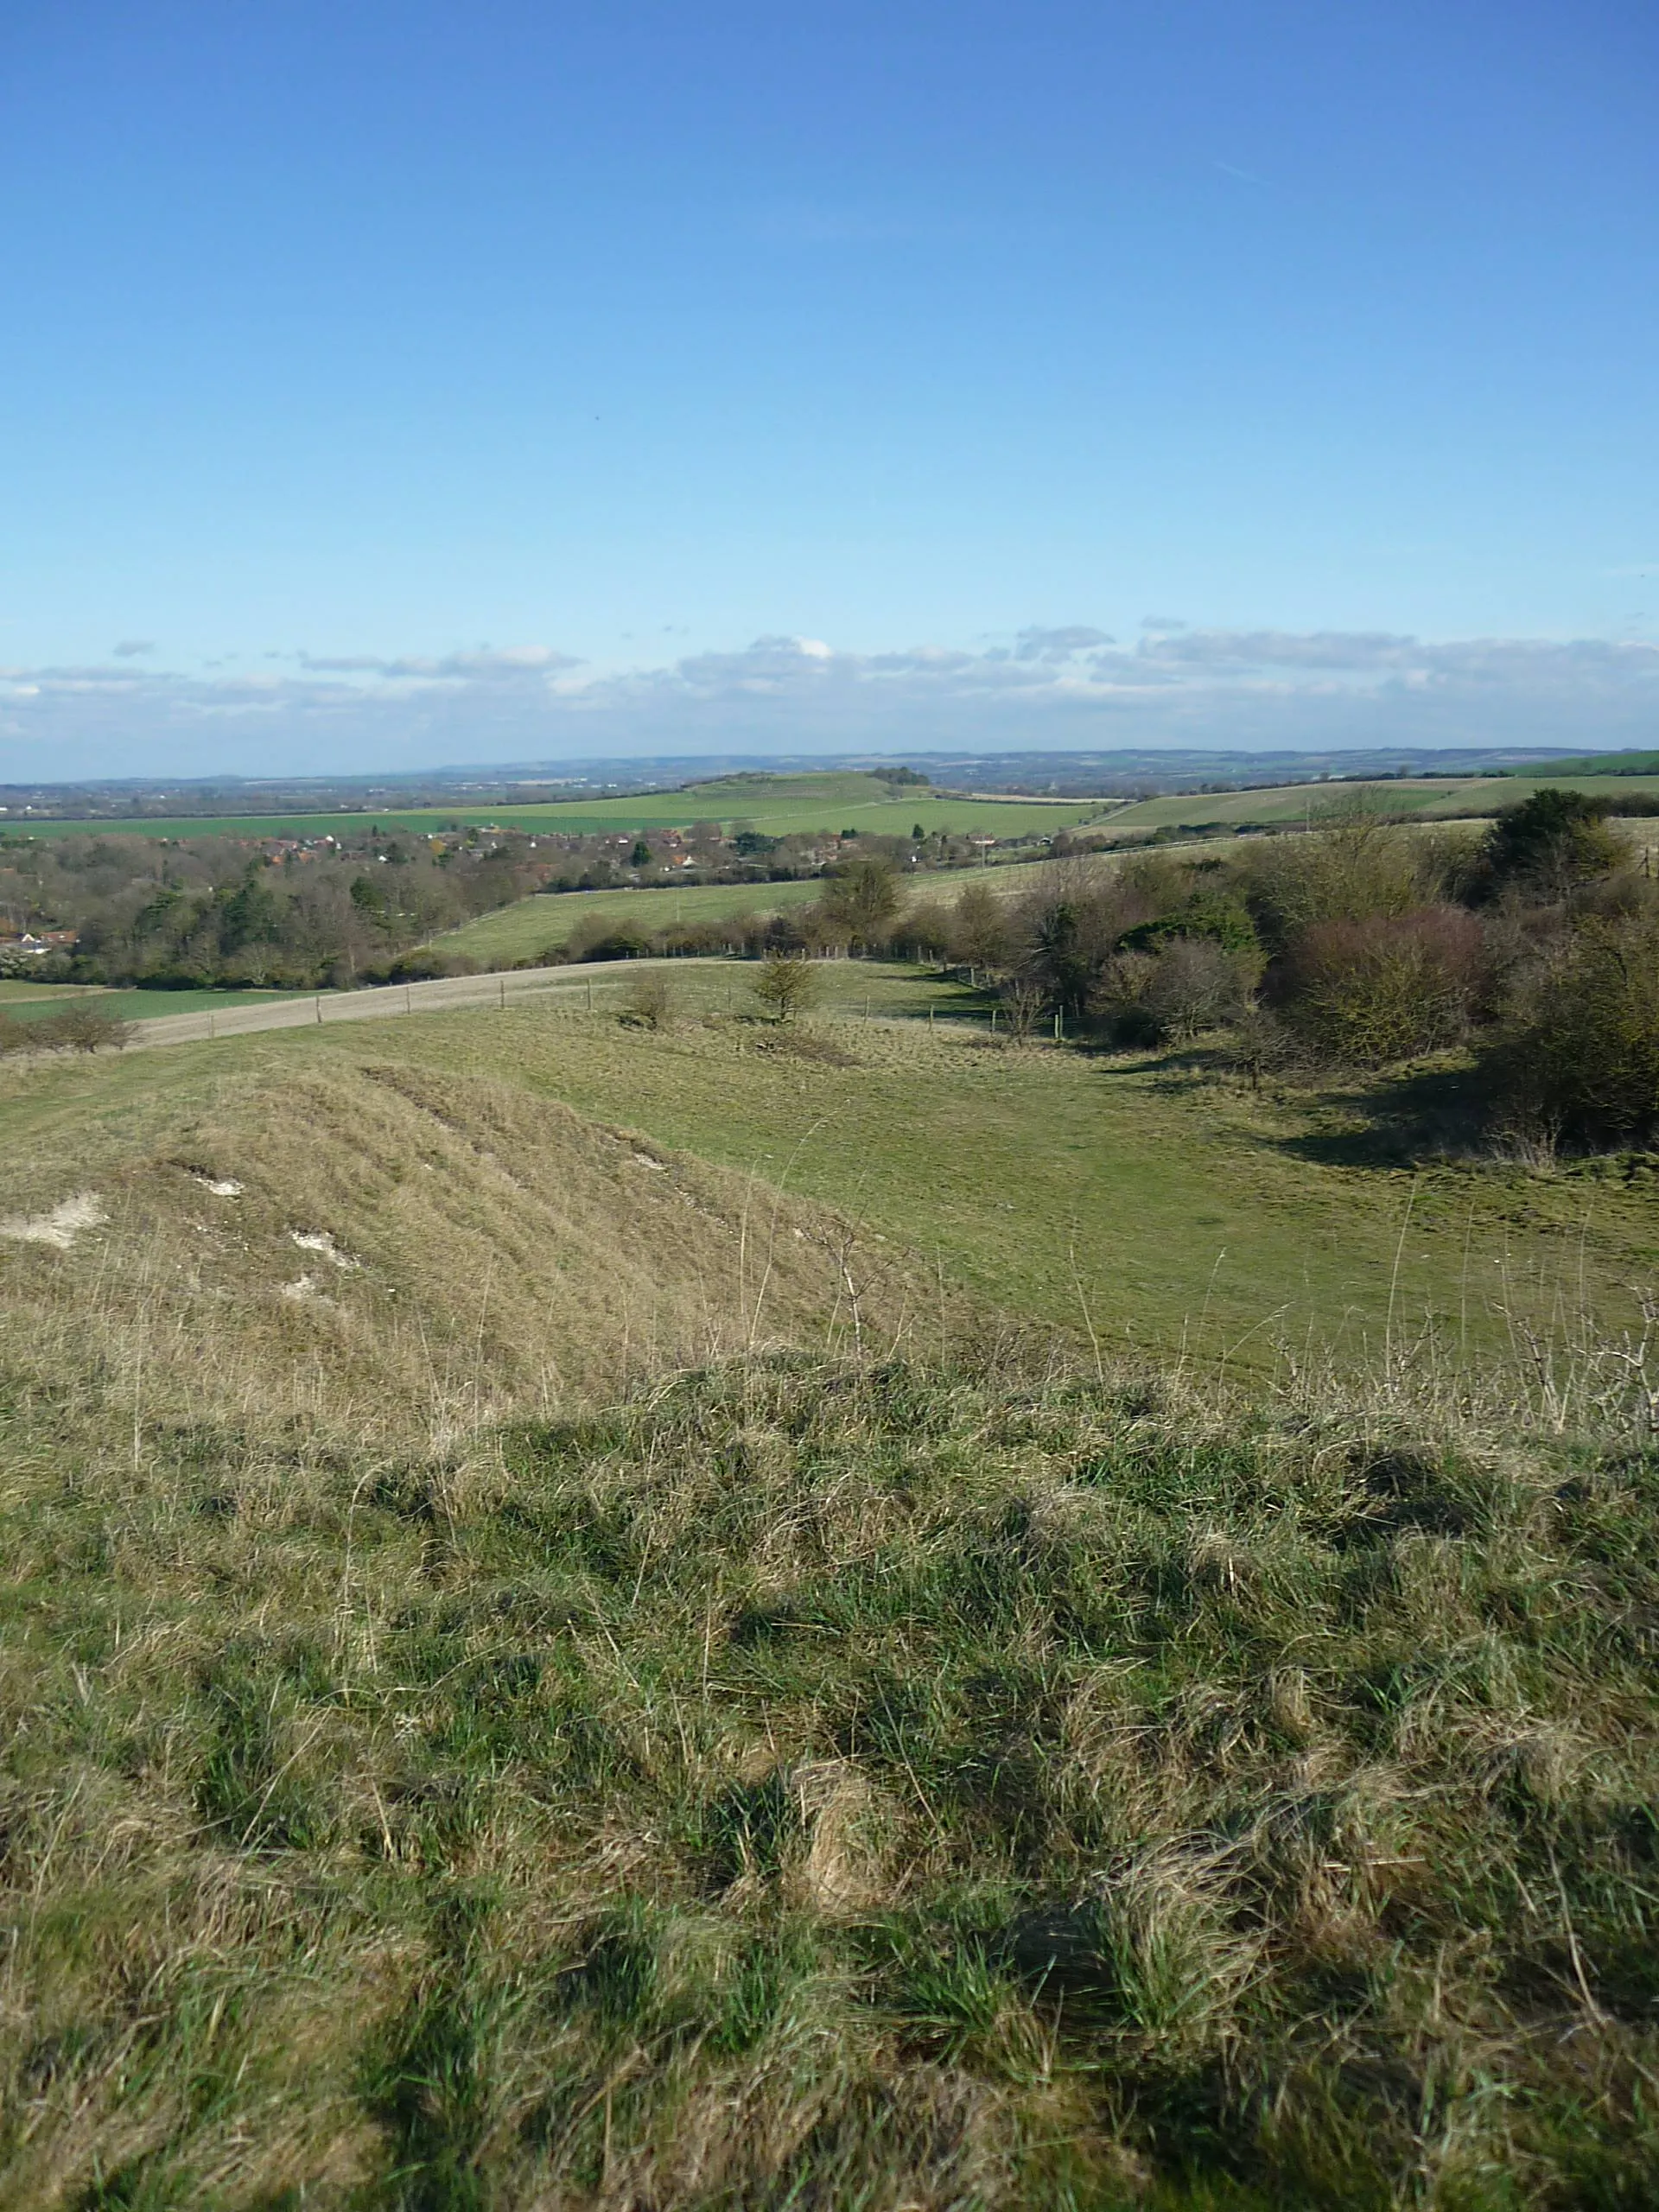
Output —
(412, 1254)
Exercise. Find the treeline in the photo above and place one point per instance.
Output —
(196, 912)
(1361, 945)
(327, 912)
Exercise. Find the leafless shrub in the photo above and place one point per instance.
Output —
(1366, 993)
(649, 1001)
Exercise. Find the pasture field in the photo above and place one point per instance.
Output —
(28, 1001)
(1428, 799)
(788, 807)
(547, 920)
(1137, 1195)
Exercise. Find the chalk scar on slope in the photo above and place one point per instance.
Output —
(320, 1240)
(61, 1226)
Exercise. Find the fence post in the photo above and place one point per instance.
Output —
(590, 994)
(319, 1009)
(1060, 1028)
(504, 994)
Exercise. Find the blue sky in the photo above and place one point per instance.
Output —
(386, 385)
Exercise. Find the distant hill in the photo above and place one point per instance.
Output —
(1593, 764)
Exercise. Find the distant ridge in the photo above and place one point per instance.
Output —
(1125, 774)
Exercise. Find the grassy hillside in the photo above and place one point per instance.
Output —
(1603, 763)
(1139, 1193)
(1430, 797)
(779, 807)
(825, 1784)
(544, 1665)
(368, 1238)
(545, 923)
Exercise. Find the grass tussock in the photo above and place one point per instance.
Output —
(810, 1783)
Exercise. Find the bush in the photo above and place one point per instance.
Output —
(1579, 1059)
(928, 927)
(425, 967)
(1357, 866)
(1552, 845)
(1185, 986)
(1365, 994)
(83, 1025)
(981, 935)
(1196, 983)
(861, 903)
(601, 938)
(786, 985)
(649, 1003)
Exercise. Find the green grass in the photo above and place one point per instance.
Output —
(1137, 1195)
(30, 1001)
(1140, 1196)
(790, 806)
(15, 993)
(1426, 798)
(828, 1784)
(1610, 764)
(539, 1668)
(544, 921)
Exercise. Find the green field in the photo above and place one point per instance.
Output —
(804, 804)
(791, 805)
(545, 921)
(1430, 799)
(28, 1001)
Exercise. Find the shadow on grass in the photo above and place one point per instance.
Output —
(1401, 1118)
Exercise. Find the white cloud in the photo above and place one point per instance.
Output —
(1069, 686)
(486, 662)
(1058, 645)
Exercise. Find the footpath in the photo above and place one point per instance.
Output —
(387, 1000)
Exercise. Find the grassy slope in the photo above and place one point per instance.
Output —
(826, 1787)
(531, 925)
(484, 1247)
(790, 806)
(1431, 798)
(801, 1785)
(1168, 1206)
